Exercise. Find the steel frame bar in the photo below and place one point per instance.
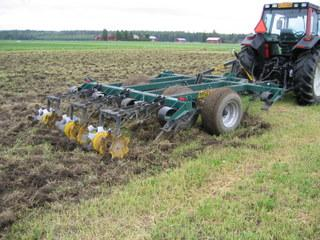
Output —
(151, 92)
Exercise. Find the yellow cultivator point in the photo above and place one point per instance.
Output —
(71, 130)
(46, 118)
(49, 119)
(119, 147)
(83, 132)
(101, 142)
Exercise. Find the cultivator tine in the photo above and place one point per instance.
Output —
(72, 128)
(119, 144)
(53, 100)
(84, 111)
(158, 136)
(50, 114)
(129, 110)
(107, 113)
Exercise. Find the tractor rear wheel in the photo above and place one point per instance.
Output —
(307, 78)
(248, 59)
(221, 111)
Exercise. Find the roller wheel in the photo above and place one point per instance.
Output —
(221, 111)
(307, 78)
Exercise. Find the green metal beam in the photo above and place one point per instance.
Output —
(151, 92)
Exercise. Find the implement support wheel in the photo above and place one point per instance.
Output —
(221, 111)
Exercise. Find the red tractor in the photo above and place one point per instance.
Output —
(285, 50)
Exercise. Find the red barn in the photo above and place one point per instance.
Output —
(153, 38)
(181, 40)
(214, 40)
(112, 37)
(98, 38)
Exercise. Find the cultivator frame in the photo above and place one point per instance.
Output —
(122, 104)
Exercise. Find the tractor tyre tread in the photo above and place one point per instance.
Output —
(248, 59)
(304, 73)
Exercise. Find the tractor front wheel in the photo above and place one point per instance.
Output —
(221, 111)
(307, 78)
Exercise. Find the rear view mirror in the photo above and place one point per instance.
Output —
(279, 24)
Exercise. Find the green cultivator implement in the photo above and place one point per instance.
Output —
(95, 115)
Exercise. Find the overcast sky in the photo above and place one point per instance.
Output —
(224, 16)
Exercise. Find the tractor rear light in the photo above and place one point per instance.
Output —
(266, 50)
(261, 27)
(182, 99)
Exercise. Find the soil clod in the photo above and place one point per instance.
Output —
(7, 218)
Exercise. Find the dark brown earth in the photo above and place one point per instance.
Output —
(40, 166)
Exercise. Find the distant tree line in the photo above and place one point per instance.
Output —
(123, 35)
(48, 35)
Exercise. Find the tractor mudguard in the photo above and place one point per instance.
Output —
(305, 43)
(255, 41)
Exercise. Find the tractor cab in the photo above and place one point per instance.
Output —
(285, 24)
(286, 27)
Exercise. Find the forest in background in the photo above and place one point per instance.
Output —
(123, 35)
